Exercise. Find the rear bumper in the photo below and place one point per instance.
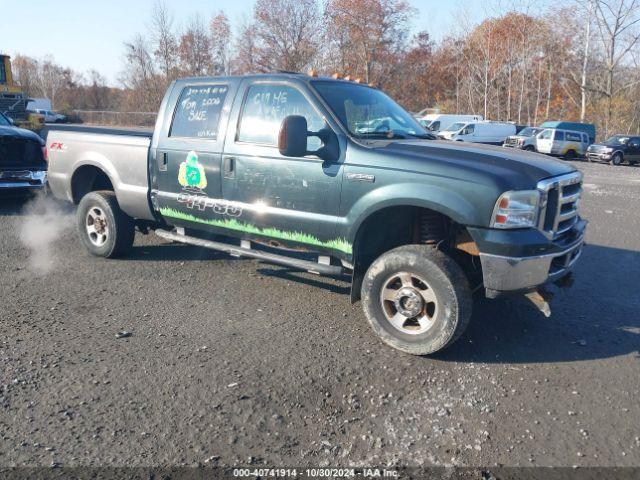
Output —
(23, 179)
(529, 269)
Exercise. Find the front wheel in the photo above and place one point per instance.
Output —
(416, 299)
(104, 229)
(616, 159)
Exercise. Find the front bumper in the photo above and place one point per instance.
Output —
(29, 179)
(598, 157)
(525, 271)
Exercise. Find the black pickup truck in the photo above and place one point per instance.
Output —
(616, 150)
(329, 176)
(23, 167)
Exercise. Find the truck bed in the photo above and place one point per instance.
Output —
(85, 153)
(129, 131)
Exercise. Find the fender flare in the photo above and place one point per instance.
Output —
(445, 201)
(111, 174)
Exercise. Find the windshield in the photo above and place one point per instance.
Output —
(4, 122)
(455, 127)
(367, 112)
(617, 140)
(529, 131)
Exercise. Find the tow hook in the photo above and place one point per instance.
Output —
(540, 299)
(566, 281)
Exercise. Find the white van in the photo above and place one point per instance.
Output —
(562, 143)
(492, 133)
(436, 122)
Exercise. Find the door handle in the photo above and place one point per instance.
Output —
(229, 167)
(162, 162)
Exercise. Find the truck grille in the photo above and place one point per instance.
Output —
(511, 142)
(559, 204)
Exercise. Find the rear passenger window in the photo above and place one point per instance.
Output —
(559, 136)
(198, 111)
(573, 137)
(267, 105)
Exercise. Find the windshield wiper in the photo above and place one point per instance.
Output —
(389, 134)
(424, 136)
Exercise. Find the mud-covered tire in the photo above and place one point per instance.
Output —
(441, 274)
(118, 229)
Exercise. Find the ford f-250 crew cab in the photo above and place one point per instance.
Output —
(332, 177)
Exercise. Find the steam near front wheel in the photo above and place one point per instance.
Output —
(416, 299)
(104, 229)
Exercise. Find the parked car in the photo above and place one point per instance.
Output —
(525, 139)
(588, 128)
(436, 122)
(51, 117)
(487, 132)
(616, 150)
(22, 162)
(273, 166)
(562, 143)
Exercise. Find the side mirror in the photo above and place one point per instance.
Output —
(292, 139)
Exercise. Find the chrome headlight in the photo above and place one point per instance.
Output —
(516, 209)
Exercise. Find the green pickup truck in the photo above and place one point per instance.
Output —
(333, 177)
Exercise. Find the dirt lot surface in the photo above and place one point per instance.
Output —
(235, 362)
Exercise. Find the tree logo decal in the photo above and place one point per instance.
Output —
(191, 174)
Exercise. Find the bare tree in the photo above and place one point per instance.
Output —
(25, 72)
(195, 49)
(50, 79)
(288, 33)
(140, 76)
(585, 59)
(617, 22)
(220, 33)
(164, 40)
(246, 57)
(97, 94)
(371, 29)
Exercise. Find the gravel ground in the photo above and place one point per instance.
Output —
(235, 362)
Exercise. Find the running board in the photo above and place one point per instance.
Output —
(242, 251)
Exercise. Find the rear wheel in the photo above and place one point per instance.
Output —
(570, 155)
(104, 229)
(416, 299)
(616, 159)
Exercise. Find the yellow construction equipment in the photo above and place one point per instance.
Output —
(13, 102)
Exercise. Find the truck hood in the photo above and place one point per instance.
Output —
(599, 147)
(512, 169)
(20, 133)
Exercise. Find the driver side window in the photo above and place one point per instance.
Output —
(546, 135)
(266, 105)
(469, 129)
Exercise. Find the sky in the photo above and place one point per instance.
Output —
(89, 34)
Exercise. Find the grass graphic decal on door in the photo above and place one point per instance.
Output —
(232, 224)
